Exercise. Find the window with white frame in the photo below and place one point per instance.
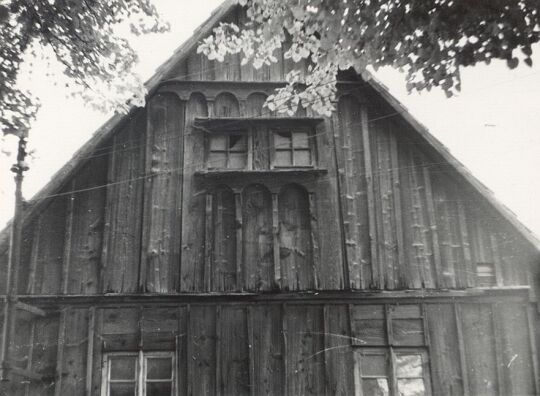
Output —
(138, 374)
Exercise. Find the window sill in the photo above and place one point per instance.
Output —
(215, 173)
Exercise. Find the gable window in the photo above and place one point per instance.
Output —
(292, 148)
(138, 374)
(228, 151)
(485, 275)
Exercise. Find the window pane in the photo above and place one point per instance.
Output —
(237, 160)
(283, 158)
(158, 388)
(158, 368)
(123, 367)
(282, 140)
(409, 366)
(218, 142)
(237, 143)
(302, 158)
(122, 389)
(374, 365)
(300, 140)
(217, 160)
(375, 387)
(411, 387)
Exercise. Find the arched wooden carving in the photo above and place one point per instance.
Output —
(226, 105)
(257, 238)
(224, 239)
(295, 244)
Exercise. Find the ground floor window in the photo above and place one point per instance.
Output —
(138, 374)
(391, 372)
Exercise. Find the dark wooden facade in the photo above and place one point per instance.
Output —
(270, 279)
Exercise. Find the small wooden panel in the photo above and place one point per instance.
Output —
(479, 349)
(87, 227)
(44, 356)
(305, 350)
(444, 348)
(120, 329)
(517, 358)
(159, 328)
(267, 350)
(74, 353)
(194, 200)
(234, 378)
(257, 238)
(338, 350)
(163, 195)
(202, 350)
(295, 249)
(122, 239)
(51, 247)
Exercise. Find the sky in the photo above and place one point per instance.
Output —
(492, 126)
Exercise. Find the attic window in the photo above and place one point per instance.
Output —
(485, 275)
(292, 148)
(228, 151)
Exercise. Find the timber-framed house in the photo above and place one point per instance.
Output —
(203, 245)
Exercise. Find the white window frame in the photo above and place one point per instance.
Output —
(140, 370)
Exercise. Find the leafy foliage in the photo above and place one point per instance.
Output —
(84, 38)
(428, 40)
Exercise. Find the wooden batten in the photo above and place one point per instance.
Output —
(461, 347)
(398, 213)
(278, 273)
(60, 352)
(467, 256)
(433, 226)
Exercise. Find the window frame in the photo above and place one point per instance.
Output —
(390, 353)
(246, 133)
(311, 147)
(140, 370)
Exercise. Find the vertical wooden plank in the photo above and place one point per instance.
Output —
(108, 217)
(285, 348)
(67, 238)
(268, 350)
(468, 265)
(251, 350)
(377, 273)
(239, 242)
(461, 346)
(202, 348)
(208, 243)
(337, 350)
(314, 240)
(194, 201)
(90, 350)
(183, 360)
(233, 352)
(60, 352)
(160, 253)
(305, 343)
(74, 359)
(278, 274)
(34, 258)
(190, 356)
(478, 338)
(121, 254)
(218, 383)
(44, 355)
(533, 347)
(433, 226)
(446, 373)
(498, 348)
(496, 260)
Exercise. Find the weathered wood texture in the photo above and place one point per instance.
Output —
(293, 349)
(123, 221)
(160, 261)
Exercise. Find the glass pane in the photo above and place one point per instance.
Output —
(158, 389)
(237, 160)
(283, 158)
(123, 367)
(122, 389)
(217, 160)
(302, 158)
(158, 368)
(282, 140)
(375, 387)
(300, 140)
(411, 387)
(409, 366)
(374, 365)
(218, 142)
(237, 143)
